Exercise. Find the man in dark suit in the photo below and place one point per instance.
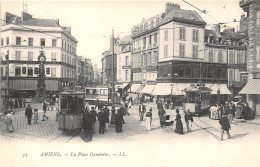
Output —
(93, 114)
(28, 113)
(102, 121)
(141, 111)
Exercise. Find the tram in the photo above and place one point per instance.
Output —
(103, 94)
(71, 108)
(197, 99)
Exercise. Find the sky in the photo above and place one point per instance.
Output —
(92, 22)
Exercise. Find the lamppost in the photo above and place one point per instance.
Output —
(41, 79)
(112, 122)
(171, 94)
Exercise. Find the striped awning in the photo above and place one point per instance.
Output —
(222, 87)
(252, 87)
(170, 88)
(121, 86)
(148, 89)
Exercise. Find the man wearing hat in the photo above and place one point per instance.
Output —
(28, 113)
(225, 126)
(102, 120)
(93, 114)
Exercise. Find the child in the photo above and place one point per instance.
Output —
(35, 116)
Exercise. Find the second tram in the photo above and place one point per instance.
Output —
(197, 99)
(103, 94)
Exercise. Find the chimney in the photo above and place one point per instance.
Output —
(26, 16)
(67, 29)
(171, 6)
(57, 21)
(216, 28)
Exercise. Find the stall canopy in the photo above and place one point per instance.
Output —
(222, 87)
(135, 88)
(121, 86)
(252, 87)
(168, 88)
(148, 89)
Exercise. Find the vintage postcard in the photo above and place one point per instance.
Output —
(130, 83)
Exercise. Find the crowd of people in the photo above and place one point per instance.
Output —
(239, 111)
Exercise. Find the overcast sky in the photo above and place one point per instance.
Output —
(92, 21)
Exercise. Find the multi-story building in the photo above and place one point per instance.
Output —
(25, 37)
(145, 37)
(107, 63)
(181, 53)
(124, 58)
(252, 89)
(97, 75)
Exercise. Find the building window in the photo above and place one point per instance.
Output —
(196, 72)
(17, 55)
(210, 72)
(30, 56)
(182, 33)
(220, 60)
(188, 71)
(2, 71)
(18, 40)
(53, 72)
(219, 71)
(211, 56)
(36, 70)
(182, 50)
(150, 40)
(195, 35)
(224, 74)
(240, 58)
(42, 41)
(30, 42)
(126, 75)
(231, 75)
(17, 71)
(231, 58)
(53, 56)
(48, 71)
(194, 51)
(62, 44)
(7, 40)
(155, 38)
(30, 71)
(166, 34)
(24, 70)
(181, 72)
(165, 51)
(126, 60)
(144, 42)
(2, 41)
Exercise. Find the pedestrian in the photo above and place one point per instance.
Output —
(107, 114)
(238, 110)
(118, 121)
(247, 113)
(86, 134)
(16, 103)
(97, 103)
(148, 116)
(126, 107)
(225, 126)
(232, 112)
(35, 116)
(9, 121)
(179, 126)
(44, 107)
(11, 104)
(20, 102)
(94, 115)
(142, 110)
(24, 103)
(87, 106)
(122, 113)
(188, 119)
(28, 114)
(161, 113)
(130, 101)
(159, 104)
(102, 121)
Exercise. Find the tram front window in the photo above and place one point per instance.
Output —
(192, 97)
(64, 104)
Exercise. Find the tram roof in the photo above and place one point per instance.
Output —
(72, 92)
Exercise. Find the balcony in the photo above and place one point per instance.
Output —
(126, 66)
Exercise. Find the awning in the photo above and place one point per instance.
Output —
(170, 88)
(222, 87)
(252, 87)
(148, 89)
(135, 88)
(121, 86)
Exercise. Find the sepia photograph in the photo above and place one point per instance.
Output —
(130, 83)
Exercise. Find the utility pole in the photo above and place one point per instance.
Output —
(112, 122)
(7, 78)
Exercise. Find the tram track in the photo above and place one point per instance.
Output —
(62, 138)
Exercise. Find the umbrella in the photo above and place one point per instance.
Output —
(238, 97)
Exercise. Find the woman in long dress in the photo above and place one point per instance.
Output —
(179, 126)
(239, 110)
(9, 122)
(148, 119)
